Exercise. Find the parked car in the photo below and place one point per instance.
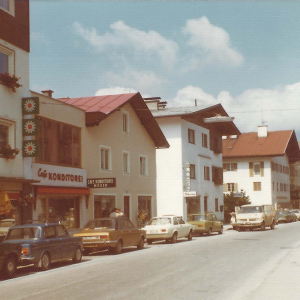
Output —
(5, 224)
(205, 223)
(297, 213)
(38, 244)
(112, 234)
(283, 216)
(294, 216)
(169, 228)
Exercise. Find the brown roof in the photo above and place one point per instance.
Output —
(97, 108)
(277, 143)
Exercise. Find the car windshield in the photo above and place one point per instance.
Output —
(24, 233)
(159, 221)
(100, 224)
(296, 211)
(282, 213)
(7, 223)
(250, 209)
(197, 218)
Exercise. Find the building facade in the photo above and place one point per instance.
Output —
(189, 173)
(258, 164)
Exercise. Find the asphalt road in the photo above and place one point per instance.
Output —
(234, 265)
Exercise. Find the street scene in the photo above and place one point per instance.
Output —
(149, 149)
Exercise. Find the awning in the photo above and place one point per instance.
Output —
(4, 203)
(63, 190)
(18, 179)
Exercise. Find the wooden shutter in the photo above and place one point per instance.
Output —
(251, 174)
(225, 187)
(236, 187)
(235, 167)
(224, 167)
(261, 168)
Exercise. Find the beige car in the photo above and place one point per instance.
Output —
(5, 224)
(112, 234)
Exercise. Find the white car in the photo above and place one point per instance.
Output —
(167, 227)
(296, 212)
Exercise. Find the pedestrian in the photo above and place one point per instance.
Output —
(115, 213)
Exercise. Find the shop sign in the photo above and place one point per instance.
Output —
(101, 182)
(31, 148)
(189, 194)
(30, 127)
(59, 176)
(30, 105)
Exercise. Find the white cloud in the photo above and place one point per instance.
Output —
(115, 91)
(125, 37)
(215, 42)
(278, 108)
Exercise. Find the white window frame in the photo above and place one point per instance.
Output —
(11, 131)
(126, 164)
(144, 171)
(191, 136)
(11, 69)
(108, 169)
(204, 140)
(11, 7)
(125, 121)
(206, 173)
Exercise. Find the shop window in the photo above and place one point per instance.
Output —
(126, 163)
(191, 136)
(193, 205)
(105, 159)
(143, 166)
(144, 210)
(125, 119)
(103, 206)
(59, 143)
(192, 171)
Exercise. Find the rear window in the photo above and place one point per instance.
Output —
(160, 221)
(250, 209)
(100, 224)
(196, 218)
(26, 233)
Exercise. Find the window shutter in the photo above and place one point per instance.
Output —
(261, 168)
(235, 167)
(236, 187)
(225, 187)
(224, 167)
(251, 169)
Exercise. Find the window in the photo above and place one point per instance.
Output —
(216, 204)
(3, 62)
(206, 173)
(281, 187)
(205, 203)
(256, 169)
(59, 143)
(192, 171)
(143, 166)
(125, 119)
(3, 135)
(217, 175)
(126, 163)
(4, 4)
(257, 186)
(191, 136)
(230, 187)
(230, 167)
(105, 159)
(204, 140)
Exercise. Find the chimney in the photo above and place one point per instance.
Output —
(48, 93)
(262, 131)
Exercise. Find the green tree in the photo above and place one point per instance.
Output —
(230, 202)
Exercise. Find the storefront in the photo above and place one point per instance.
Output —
(144, 210)
(62, 195)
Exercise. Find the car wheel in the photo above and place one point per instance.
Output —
(77, 255)
(209, 231)
(190, 236)
(45, 262)
(149, 242)
(118, 248)
(10, 267)
(221, 230)
(141, 243)
(262, 226)
(272, 226)
(174, 238)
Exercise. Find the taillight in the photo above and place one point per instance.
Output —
(103, 236)
(25, 250)
(164, 230)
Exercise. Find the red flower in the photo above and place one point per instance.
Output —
(10, 81)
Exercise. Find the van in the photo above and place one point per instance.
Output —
(255, 216)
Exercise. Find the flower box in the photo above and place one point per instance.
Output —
(11, 81)
(8, 152)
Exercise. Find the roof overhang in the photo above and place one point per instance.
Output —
(18, 180)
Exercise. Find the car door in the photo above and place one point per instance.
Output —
(134, 234)
(216, 223)
(51, 243)
(67, 245)
(185, 228)
(123, 232)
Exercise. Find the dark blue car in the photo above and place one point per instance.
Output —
(38, 244)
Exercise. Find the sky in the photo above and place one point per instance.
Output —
(242, 54)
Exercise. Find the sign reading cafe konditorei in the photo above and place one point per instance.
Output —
(101, 182)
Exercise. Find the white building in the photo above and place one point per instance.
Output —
(258, 164)
(189, 173)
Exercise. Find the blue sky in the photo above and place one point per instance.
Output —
(244, 55)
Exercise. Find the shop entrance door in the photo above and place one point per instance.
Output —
(144, 210)
(127, 206)
(193, 205)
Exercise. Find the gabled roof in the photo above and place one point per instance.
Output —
(196, 115)
(98, 108)
(277, 143)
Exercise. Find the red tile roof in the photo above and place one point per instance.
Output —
(277, 143)
(98, 108)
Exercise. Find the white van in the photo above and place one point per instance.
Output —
(255, 216)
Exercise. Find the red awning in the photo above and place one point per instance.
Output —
(63, 190)
(14, 195)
